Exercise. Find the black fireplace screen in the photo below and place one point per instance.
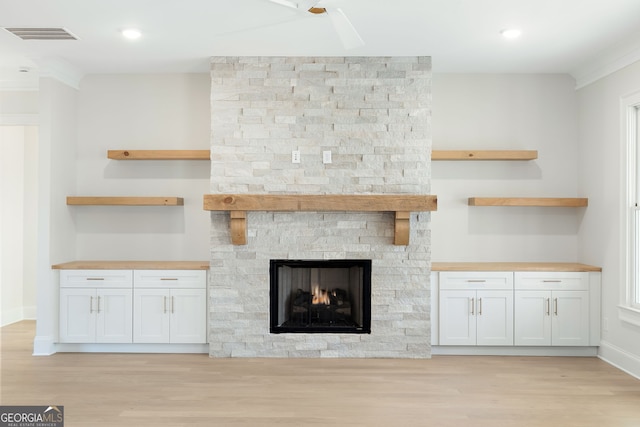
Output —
(320, 296)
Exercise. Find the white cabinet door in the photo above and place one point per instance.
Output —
(170, 306)
(559, 318)
(114, 323)
(176, 316)
(95, 315)
(457, 317)
(532, 318)
(95, 306)
(570, 324)
(151, 315)
(77, 317)
(188, 316)
(494, 317)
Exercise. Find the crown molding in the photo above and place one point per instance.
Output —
(608, 62)
(54, 68)
(60, 70)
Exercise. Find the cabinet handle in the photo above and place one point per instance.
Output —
(168, 278)
(164, 305)
(548, 306)
(551, 281)
(98, 310)
(479, 306)
(172, 304)
(473, 305)
(476, 281)
(555, 306)
(95, 278)
(90, 305)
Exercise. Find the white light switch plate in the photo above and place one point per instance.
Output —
(326, 157)
(295, 156)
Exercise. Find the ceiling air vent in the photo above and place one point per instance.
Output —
(42, 33)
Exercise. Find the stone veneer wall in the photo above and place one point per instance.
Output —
(374, 114)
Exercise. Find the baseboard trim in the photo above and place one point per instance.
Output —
(7, 317)
(514, 351)
(132, 348)
(44, 346)
(620, 358)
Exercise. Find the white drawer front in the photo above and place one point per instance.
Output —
(569, 281)
(463, 280)
(96, 278)
(170, 279)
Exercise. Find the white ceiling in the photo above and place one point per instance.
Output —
(559, 36)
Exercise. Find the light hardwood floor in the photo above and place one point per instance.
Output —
(194, 390)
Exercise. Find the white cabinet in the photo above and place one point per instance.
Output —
(476, 308)
(552, 308)
(169, 306)
(541, 309)
(133, 306)
(96, 306)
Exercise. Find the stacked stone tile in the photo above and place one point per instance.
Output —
(373, 114)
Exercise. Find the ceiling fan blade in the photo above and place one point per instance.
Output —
(307, 4)
(286, 3)
(296, 4)
(345, 29)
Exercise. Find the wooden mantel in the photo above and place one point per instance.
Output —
(239, 204)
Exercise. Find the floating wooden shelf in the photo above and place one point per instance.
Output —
(484, 154)
(159, 154)
(239, 204)
(125, 201)
(529, 201)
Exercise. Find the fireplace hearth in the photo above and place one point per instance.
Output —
(320, 296)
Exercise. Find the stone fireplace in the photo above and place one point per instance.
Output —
(373, 115)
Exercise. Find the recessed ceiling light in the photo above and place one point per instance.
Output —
(511, 33)
(131, 33)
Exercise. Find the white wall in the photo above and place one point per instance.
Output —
(601, 153)
(18, 210)
(12, 199)
(56, 179)
(536, 112)
(142, 112)
(18, 102)
(30, 221)
(76, 130)
(512, 112)
(11, 225)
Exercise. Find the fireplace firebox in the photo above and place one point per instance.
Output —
(320, 296)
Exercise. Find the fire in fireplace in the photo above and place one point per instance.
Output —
(320, 296)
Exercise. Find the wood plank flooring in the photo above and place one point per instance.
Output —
(195, 390)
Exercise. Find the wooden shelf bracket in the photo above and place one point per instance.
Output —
(402, 228)
(238, 205)
(238, 227)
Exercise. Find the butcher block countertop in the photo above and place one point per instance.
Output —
(132, 265)
(436, 266)
(512, 266)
